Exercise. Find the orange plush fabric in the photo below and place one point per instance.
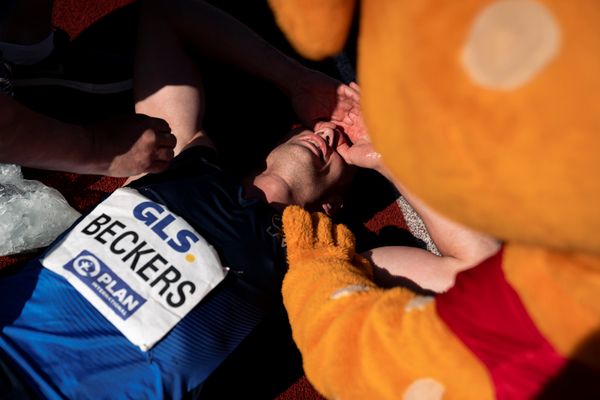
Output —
(303, 20)
(489, 110)
(339, 316)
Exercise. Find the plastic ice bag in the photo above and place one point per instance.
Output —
(32, 214)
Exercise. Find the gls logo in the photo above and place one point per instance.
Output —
(151, 214)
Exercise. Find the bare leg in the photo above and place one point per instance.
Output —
(167, 85)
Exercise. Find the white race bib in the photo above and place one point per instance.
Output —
(141, 266)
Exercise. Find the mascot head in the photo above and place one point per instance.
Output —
(489, 110)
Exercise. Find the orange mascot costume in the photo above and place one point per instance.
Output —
(489, 110)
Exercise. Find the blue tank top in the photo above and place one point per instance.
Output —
(64, 348)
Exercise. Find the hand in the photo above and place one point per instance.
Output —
(353, 123)
(314, 236)
(132, 145)
(361, 154)
(318, 97)
(315, 99)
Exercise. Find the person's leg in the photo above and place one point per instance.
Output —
(167, 84)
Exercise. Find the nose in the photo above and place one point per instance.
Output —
(328, 135)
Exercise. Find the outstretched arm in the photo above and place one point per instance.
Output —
(120, 147)
(359, 341)
(460, 247)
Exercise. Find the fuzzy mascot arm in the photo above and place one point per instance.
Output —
(359, 341)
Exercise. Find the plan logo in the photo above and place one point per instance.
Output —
(106, 284)
(86, 266)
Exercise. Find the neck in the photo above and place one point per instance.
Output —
(272, 189)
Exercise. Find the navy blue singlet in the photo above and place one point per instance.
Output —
(53, 338)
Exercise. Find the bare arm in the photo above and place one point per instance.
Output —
(460, 247)
(27, 138)
(393, 264)
(120, 147)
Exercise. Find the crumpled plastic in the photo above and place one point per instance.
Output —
(32, 214)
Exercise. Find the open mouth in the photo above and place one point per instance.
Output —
(317, 145)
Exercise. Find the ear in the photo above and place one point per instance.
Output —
(332, 205)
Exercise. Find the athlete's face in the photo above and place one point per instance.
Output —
(311, 160)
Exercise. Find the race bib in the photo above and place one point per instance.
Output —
(140, 265)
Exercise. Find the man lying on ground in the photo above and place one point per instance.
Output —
(148, 294)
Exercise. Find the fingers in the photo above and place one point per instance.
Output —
(155, 145)
(355, 87)
(349, 91)
(297, 225)
(157, 160)
(321, 125)
(337, 239)
(158, 124)
(362, 155)
(324, 228)
(152, 154)
(345, 239)
(351, 118)
(166, 139)
(164, 136)
(344, 151)
(348, 101)
(164, 154)
(304, 230)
